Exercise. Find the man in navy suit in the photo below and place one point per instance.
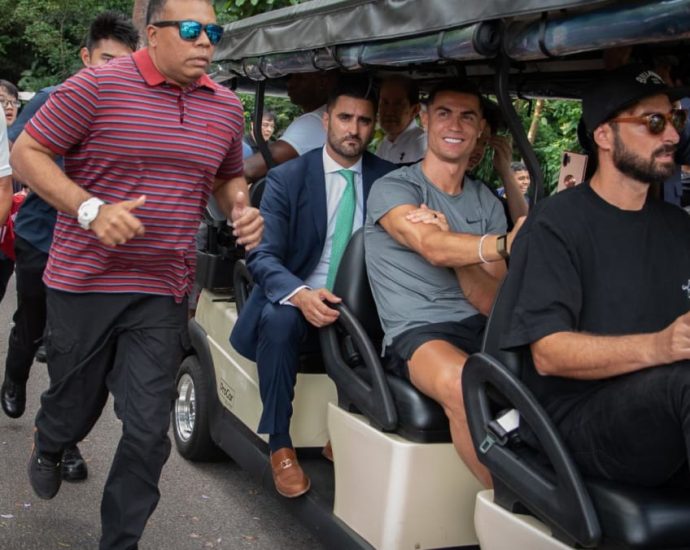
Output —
(311, 206)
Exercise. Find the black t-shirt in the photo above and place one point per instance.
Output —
(581, 264)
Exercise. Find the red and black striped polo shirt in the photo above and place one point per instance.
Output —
(124, 132)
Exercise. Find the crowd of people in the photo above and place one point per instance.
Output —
(104, 247)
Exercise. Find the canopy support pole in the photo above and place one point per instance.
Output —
(258, 116)
(514, 124)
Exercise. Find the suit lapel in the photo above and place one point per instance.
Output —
(367, 177)
(316, 194)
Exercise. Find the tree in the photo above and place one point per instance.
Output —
(556, 132)
(551, 131)
(233, 10)
(139, 18)
(49, 33)
(534, 125)
(40, 39)
(15, 52)
(285, 111)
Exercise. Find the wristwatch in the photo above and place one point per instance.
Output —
(88, 210)
(502, 246)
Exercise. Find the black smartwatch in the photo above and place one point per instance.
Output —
(502, 246)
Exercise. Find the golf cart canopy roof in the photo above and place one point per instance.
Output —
(458, 35)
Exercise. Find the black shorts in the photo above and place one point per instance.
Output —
(466, 335)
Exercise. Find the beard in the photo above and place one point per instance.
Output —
(647, 171)
(350, 151)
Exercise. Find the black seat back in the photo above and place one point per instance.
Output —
(351, 356)
(256, 192)
(420, 418)
(496, 325)
(618, 515)
(243, 282)
(545, 481)
(352, 285)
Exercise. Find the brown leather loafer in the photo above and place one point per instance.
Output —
(288, 476)
(327, 451)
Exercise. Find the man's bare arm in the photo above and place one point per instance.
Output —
(503, 153)
(34, 165)
(233, 197)
(439, 247)
(480, 283)
(517, 205)
(5, 198)
(591, 357)
(255, 166)
(225, 192)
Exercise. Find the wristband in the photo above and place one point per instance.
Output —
(481, 243)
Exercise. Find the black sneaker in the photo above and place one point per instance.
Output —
(44, 475)
(41, 354)
(13, 398)
(73, 465)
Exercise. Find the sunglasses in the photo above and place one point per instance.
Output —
(191, 30)
(656, 122)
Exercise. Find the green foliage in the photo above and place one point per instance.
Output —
(233, 10)
(40, 41)
(557, 132)
(285, 111)
(15, 55)
(44, 36)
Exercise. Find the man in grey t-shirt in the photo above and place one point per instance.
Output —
(435, 248)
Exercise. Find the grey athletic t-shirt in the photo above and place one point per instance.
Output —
(409, 291)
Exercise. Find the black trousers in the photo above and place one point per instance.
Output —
(635, 428)
(30, 317)
(130, 345)
(6, 270)
(284, 334)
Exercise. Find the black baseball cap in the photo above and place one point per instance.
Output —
(617, 90)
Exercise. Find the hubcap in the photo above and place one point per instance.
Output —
(185, 407)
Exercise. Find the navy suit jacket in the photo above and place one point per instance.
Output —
(294, 210)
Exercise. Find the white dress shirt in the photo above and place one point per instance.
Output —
(335, 187)
(410, 146)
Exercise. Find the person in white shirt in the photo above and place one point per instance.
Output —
(405, 141)
(310, 92)
(5, 171)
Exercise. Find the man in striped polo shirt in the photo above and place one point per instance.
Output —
(110, 35)
(145, 140)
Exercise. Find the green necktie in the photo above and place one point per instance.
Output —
(343, 225)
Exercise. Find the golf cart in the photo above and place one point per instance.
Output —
(396, 481)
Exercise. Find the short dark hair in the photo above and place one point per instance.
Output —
(359, 87)
(408, 84)
(10, 88)
(518, 166)
(459, 86)
(155, 8)
(492, 114)
(111, 25)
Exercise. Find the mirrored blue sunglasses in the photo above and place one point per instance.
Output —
(191, 30)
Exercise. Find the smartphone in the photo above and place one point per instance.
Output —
(573, 168)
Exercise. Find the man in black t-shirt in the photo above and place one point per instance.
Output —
(600, 279)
